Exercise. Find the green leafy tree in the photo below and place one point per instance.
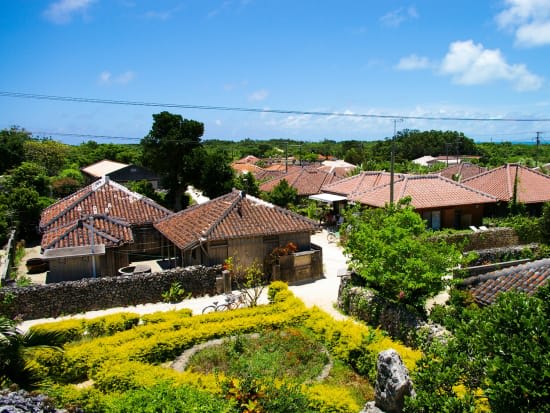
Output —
(282, 194)
(26, 205)
(389, 248)
(216, 175)
(246, 182)
(171, 149)
(500, 355)
(30, 175)
(12, 151)
(50, 154)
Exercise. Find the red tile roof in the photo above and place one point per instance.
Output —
(463, 170)
(306, 181)
(248, 159)
(230, 216)
(241, 167)
(103, 197)
(359, 183)
(527, 278)
(533, 186)
(426, 191)
(106, 230)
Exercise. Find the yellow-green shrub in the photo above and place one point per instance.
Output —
(108, 325)
(156, 343)
(330, 399)
(161, 316)
(67, 330)
(274, 289)
(356, 343)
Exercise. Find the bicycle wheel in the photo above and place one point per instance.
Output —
(209, 309)
(223, 307)
(331, 237)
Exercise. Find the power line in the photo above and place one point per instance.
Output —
(258, 110)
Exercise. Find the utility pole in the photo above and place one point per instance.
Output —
(286, 157)
(537, 152)
(392, 161)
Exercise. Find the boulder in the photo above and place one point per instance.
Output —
(392, 382)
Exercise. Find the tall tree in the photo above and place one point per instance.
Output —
(216, 176)
(170, 149)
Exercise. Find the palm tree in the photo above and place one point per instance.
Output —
(15, 366)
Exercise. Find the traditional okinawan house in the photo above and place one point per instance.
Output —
(443, 203)
(307, 181)
(242, 226)
(336, 194)
(120, 220)
(96, 245)
(460, 172)
(513, 183)
(527, 278)
(120, 172)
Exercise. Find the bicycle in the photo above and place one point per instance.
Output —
(232, 302)
(332, 235)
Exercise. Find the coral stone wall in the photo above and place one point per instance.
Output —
(70, 297)
(491, 238)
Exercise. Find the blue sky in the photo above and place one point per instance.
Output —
(428, 58)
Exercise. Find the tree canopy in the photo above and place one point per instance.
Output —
(172, 149)
(282, 194)
(389, 248)
(12, 151)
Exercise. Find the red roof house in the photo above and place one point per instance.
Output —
(306, 181)
(531, 187)
(440, 201)
(237, 225)
(106, 214)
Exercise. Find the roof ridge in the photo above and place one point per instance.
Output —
(484, 173)
(224, 213)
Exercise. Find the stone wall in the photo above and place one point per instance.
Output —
(490, 238)
(71, 297)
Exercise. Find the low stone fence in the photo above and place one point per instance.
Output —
(400, 323)
(71, 297)
(490, 238)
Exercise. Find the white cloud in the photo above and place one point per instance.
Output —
(528, 19)
(107, 78)
(258, 95)
(394, 18)
(413, 62)
(62, 11)
(472, 64)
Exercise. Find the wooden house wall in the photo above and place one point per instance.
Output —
(114, 259)
(147, 244)
(72, 268)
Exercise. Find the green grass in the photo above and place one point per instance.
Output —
(288, 354)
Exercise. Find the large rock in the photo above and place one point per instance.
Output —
(392, 382)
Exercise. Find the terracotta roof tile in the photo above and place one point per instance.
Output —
(426, 191)
(527, 278)
(230, 216)
(103, 197)
(106, 230)
(306, 181)
(463, 170)
(359, 183)
(533, 186)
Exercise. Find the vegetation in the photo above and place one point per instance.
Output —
(498, 357)
(389, 248)
(282, 194)
(125, 360)
(173, 149)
